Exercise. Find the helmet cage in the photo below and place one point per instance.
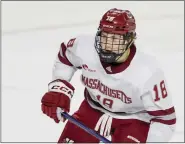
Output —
(112, 55)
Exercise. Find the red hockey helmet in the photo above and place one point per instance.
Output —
(120, 26)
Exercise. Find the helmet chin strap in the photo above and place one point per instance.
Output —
(125, 55)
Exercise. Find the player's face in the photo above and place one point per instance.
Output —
(113, 42)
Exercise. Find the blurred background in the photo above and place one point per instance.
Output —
(31, 35)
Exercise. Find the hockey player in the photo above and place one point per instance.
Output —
(126, 94)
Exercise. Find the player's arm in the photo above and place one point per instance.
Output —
(66, 62)
(158, 103)
(60, 90)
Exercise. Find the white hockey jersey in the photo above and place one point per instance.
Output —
(135, 89)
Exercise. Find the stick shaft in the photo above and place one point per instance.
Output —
(82, 126)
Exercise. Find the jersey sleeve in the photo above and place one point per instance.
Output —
(67, 62)
(157, 101)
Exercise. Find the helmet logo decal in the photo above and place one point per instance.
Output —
(110, 18)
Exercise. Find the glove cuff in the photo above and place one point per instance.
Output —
(61, 86)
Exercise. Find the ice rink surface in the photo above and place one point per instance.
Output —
(31, 36)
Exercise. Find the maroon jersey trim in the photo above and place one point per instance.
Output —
(64, 59)
(168, 122)
(162, 112)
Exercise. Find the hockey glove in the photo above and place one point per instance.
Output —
(57, 100)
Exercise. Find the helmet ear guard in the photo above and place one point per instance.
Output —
(115, 22)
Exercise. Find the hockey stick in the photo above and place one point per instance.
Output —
(82, 126)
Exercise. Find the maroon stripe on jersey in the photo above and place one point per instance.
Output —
(64, 60)
(63, 47)
(162, 112)
(168, 122)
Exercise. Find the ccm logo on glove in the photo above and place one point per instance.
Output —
(61, 87)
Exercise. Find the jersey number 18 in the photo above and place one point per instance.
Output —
(163, 90)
